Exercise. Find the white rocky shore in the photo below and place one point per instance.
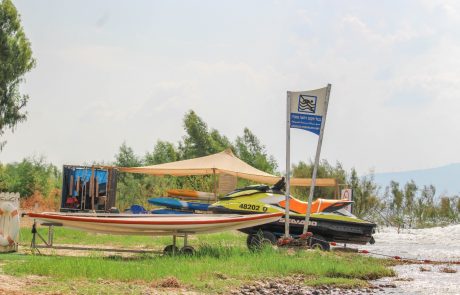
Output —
(435, 244)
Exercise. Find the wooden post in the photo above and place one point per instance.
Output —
(71, 186)
(337, 190)
(78, 185)
(215, 182)
(96, 192)
(91, 188)
(107, 187)
(83, 196)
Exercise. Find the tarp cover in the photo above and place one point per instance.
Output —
(224, 162)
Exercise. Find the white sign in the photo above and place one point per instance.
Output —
(347, 194)
(308, 109)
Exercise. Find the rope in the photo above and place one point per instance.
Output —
(421, 261)
(306, 236)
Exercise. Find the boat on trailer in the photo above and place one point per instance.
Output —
(154, 224)
(180, 225)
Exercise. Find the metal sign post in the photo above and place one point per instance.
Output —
(288, 164)
(317, 157)
(306, 110)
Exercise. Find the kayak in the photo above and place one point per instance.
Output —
(169, 211)
(178, 204)
(187, 194)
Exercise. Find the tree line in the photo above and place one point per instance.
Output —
(401, 205)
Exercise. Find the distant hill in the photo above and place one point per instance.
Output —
(446, 179)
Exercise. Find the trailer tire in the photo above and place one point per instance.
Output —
(187, 250)
(320, 243)
(171, 250)
(259, 240)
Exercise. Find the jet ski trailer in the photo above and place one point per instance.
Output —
(329, 221)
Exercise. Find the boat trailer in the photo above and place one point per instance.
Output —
(39, 242)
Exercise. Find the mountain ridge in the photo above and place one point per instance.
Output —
(445, 178)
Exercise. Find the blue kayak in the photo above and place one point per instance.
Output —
(169, 211)
(178, 204)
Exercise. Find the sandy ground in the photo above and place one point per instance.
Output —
(17, 285)
(11, 285)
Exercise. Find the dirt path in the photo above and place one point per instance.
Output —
(13, 285)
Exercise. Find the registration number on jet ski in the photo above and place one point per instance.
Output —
(252, 207)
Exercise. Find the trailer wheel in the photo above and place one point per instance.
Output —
(320, 243)
(170, 250)
(260, 239)
(187, 250)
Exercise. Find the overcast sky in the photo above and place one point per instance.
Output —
(114, 71)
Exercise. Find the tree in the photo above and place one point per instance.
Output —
(365, 200)
(398, 197)
(410, 189)
(199, 141)
(397, 203)
(15, 61)
(445, 209)
(126, 157)
(250, 150)
(164, 152)
(458, 205)
(29, 176)
(325, 170)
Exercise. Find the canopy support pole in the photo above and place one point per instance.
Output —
(215, 182)
(318, 152)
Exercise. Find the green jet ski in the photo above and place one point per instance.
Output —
(329, 221)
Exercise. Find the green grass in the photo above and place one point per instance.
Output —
(205, 270)
(222, 262)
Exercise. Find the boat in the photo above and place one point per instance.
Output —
(153, 224)
(329, 221)
(178, 204)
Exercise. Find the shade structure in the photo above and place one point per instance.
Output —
(224, 162)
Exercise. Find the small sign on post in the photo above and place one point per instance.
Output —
(347, 194)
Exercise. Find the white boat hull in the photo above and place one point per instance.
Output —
(154, 225)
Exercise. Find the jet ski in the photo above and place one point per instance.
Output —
(329, 221)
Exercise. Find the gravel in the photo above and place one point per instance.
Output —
(290, 286)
